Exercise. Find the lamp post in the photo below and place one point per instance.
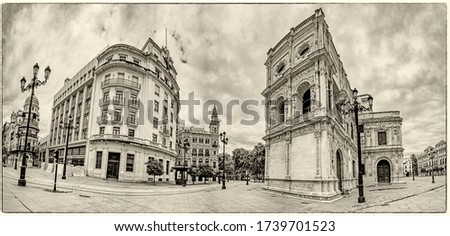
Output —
(68, 126)
(357, 107)
(31, 86)
(185, 145)
(19, 144)
(431, 156)
(413, 157)
(224, 140)
(55, 161)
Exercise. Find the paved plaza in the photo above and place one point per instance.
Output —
(92, 195)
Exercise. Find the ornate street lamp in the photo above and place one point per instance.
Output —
(357, 107)
(431, 157)
(185, 145)
(67, 126)
(224, 140)
(31, 86)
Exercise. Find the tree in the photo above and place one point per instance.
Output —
(257, 161)
(154, 167)
(193, 172)
(414, 164)
(205, 171)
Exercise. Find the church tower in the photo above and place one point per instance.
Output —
(215, 123)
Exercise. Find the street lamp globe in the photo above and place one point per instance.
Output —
(47, 72)
(370, 99)
(35, 69)
(355, 93)
(22, 82)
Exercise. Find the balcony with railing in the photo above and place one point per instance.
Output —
(124, 138)
(134, 103)
(120, 82)
(104, 101)
(132, 121)
(118, 101)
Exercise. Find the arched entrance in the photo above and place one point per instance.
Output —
(384, 171)
(339, 169)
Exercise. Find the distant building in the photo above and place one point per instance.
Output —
(204, 145)
(43, 154)
(14, 132)
(407, 167)
(126, 102)
(433, 157)
(382, 148)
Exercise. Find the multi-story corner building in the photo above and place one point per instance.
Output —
(382, 148)
(433, 157)
(14, 132)
(311, 148)
(204, 146)
(126, 102)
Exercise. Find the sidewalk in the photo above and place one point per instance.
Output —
(92, 195)
(38, 178)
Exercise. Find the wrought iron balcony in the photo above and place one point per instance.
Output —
(134, 103)
(104, 101)
(117, 101)
(132, 121)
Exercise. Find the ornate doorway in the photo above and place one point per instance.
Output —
(383, 171)
(113, 165)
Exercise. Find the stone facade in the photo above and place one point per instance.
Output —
(14, 132)
(382, 147)
(204, 145)
(310, 147)
(126, 102)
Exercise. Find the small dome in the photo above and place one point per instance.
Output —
(35, 101)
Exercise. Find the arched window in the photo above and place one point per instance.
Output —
(200, 152)
(207, 152)
(280, 110)
(194, 162)
(207, 161)
(306, 97)
(194, 152)
(200, 161)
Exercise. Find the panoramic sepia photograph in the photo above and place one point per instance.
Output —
(224, 108)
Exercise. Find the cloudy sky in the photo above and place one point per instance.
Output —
(396, 52)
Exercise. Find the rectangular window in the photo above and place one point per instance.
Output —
(170, 144)
(171, 131)
(98, 160)
(121, 75)
(155, 122)
(155, 138)
(116, 131)
(102, 130)
(382, 138)
(161, 161)
(122, 57)
(157, 89)
(117, 115)
(119, 95)
(156, 106)
(171, 104)
(130, 162)
(166, 97)
(131, 132)
(158, 73)
(107, 77)
(136, 61)
(164, 142)
(135, 79)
